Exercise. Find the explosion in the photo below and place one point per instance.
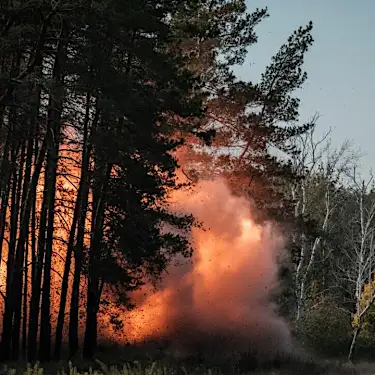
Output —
(221, 300)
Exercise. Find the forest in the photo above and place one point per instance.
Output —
(104, 105)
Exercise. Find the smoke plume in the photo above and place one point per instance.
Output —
(221, 300)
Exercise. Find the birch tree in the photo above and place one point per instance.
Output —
(357, 263)
(315, 199)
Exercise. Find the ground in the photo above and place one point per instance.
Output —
(131, 361)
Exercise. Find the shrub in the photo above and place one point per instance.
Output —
(326, 330)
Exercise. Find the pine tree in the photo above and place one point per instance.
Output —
(133, 168)
(245, 122)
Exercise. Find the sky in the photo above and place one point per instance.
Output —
(340, 65)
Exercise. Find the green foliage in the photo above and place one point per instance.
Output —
(249, 120)
(325, 329)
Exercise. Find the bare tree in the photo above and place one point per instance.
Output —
(357, 264)
(322, 168)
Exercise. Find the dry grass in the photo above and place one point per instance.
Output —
(130, 360)
(160, 368)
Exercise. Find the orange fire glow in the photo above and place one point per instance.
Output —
(225, 291)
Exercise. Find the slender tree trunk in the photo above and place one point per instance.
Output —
(354, 342)
(45, 330)
(6, 180)
(3, 213)
(25, 294)
(65, 284)
(16, 287)
(51, 173)
(33, 187)
(102, 174)
(78, 253)
(36, 286)
(8, 311)
(93, 290)
(5, 164)
(71, 241)
(21, 257)
(33, 221)
(78, 260)
(29, 205)
(65, 281)
(6, 342)
(10, 301)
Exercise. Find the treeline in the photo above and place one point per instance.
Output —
(95, 97)
(86, 92)
(333, 278)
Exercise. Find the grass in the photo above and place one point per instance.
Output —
(130, 361)
(157, 368)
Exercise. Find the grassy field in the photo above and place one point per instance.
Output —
(170, 365)
(158, 368)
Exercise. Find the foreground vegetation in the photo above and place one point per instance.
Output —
(168, 367)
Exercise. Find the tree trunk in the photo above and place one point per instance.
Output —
(6, 342)
(30, 211)
(36, 286)
(3, 212)
(65, 284)
(354, 342)
(54, 116)
(65, 281)
(45, 329)
(10, 298)
(8, 311)
(16, 286)
(33, 221)
(93, 290)
(22, 246)
(24, 307)
(5, 172)
(78, 252)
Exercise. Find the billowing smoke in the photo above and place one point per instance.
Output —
(221, 300)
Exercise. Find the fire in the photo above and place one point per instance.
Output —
(225, 291)
(221, 296)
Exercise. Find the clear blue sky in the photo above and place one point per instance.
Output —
(340, 65)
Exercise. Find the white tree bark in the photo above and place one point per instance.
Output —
(359, 260)
(315, 158)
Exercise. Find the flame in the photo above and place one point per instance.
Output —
(225, 291)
